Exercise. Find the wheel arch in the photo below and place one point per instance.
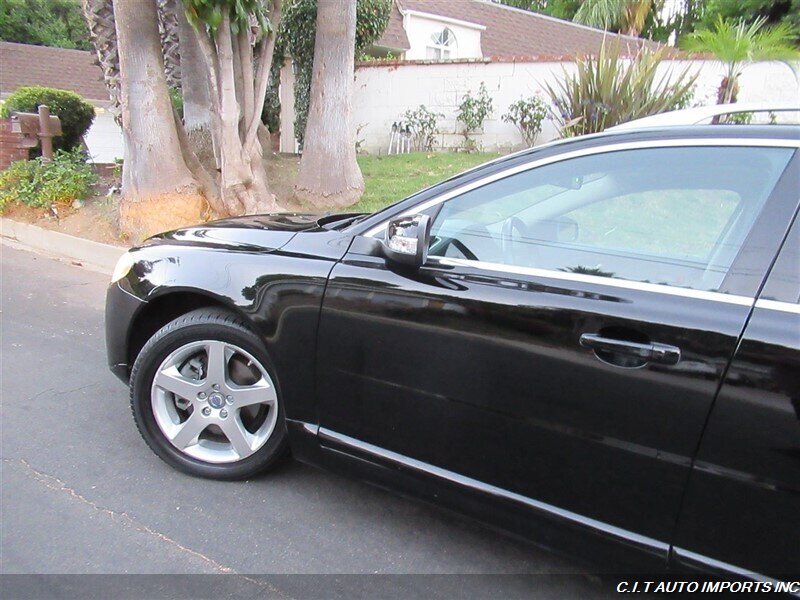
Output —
(166, 307)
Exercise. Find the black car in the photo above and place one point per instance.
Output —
(594, 344)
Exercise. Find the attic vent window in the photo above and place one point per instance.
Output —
(442, 46)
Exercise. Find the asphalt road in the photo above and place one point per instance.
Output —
(82, 494)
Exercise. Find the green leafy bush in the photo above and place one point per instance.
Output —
(613, 89)
(424, 125)
(75, 113)
(528, 114)
(40, 184)
(472, 112)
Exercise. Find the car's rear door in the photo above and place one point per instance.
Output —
(565, 340)
(742, 506)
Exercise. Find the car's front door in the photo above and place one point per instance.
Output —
(566, 337)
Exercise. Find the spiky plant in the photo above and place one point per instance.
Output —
(612, 89)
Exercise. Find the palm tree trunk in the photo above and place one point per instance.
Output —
(99, 15)
(168, 29)
(159, 191)
(329, 174)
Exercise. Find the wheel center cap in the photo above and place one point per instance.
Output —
(216, 400)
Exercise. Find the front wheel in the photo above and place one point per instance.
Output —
(205, 400)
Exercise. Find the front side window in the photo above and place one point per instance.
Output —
(673, 216)
(442, 45)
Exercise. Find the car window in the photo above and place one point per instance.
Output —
(676, 216)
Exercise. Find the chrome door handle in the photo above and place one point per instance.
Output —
(653, 352)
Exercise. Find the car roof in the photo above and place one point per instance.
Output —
(777, 132)
(699, 114)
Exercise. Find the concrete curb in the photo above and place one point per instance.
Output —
(102, 257)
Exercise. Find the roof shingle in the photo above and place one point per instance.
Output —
(74, 70)
(394, 36)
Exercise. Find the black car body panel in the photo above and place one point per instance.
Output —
(741, 503)
(470, 388)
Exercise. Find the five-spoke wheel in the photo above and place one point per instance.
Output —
(204, 399)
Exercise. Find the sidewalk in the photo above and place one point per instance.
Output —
(87, 253)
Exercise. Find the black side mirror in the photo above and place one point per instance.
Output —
(407, 240)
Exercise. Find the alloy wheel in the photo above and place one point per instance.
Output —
(214, 401)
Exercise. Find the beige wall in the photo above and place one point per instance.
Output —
(286, 94)
(384, 93)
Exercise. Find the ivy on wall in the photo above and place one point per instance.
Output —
(296, 39)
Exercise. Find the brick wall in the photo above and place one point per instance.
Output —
(9, 145)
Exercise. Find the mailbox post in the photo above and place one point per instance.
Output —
(45, 133)
(36, 129)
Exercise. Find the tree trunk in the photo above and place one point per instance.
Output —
(99, 16)
(158, 189)
(329, 175)
(727, 93)
(194, 79)
(168, 29)
(198, 118)
(237, 86)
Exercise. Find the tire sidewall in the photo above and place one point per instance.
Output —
(166, 341)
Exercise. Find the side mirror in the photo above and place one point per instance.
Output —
(407, 240)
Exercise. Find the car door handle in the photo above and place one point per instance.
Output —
(652, 352)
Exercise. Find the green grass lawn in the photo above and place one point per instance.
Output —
(392, 178)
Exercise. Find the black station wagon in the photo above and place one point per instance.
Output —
(594, 344)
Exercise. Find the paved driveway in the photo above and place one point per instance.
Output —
(81, 493)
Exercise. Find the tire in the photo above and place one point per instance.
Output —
(177, 387)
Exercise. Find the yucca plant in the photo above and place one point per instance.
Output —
(735, 44)
(611, 89)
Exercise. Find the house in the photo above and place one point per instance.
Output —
(482, 29)
(75, 70)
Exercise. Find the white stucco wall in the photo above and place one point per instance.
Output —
(384, 93)
(104, 138)
(420, 27)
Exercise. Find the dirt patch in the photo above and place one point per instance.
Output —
(94, 219)
(97, 218)
(281, 174)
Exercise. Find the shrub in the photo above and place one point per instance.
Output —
(527, 114)
(424, 125)
(472, 112)
(41, 184)
(75, 113)
(611, 89)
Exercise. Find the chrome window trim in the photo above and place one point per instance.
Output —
(595, 280)
(611, 147)
(778, 305)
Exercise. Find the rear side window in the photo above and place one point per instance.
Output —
(673, 216)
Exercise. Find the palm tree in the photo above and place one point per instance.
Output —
(627, 16)
(99, 15)
(168, 29)
(735, 44)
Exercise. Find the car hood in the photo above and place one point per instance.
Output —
(248, 233)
